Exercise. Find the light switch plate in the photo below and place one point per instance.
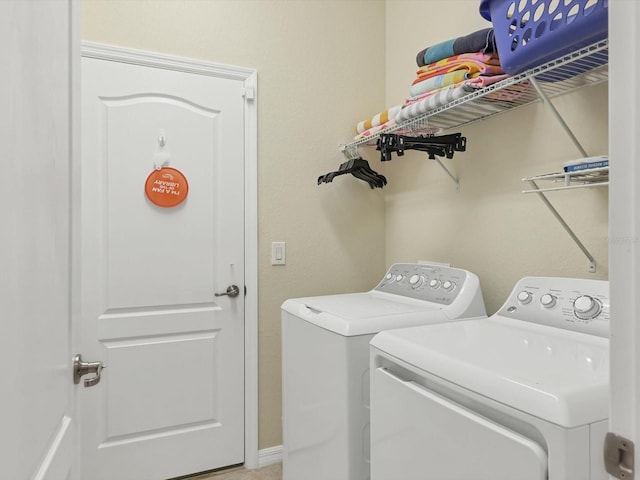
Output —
(278, 253)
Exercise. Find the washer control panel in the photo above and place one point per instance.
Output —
(433, 283)
(572, 303)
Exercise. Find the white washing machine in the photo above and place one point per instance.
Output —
(325, 362)
(521, 395)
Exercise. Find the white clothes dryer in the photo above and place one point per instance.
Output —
(521, 395)
(325, 362)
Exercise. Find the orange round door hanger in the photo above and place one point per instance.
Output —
(166, 187)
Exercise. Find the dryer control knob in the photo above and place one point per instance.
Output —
(525, 297)
(586, 307)
(548, 301)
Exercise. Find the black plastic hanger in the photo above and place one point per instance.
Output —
(359, 168)
(441, 146)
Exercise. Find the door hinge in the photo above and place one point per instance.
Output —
(249, 93)
(618, 456)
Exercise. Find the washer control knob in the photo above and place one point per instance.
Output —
(390, 277)
(399, 277)
(448, 285)
(416, 280)
(434, 283)
(525, 297)
(548, 301)
(586, 307)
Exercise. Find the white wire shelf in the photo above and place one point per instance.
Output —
(592, 177)
(588, 66)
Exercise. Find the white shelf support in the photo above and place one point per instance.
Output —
(555, 112)
(545, 200)
(451, 175)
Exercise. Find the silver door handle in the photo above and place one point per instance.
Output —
(81, 368)
(232, 291)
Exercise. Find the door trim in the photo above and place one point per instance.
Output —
(249, 77)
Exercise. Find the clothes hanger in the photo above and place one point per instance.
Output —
(442, 145)
(359, 168)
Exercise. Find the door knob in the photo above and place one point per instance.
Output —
(81, 368)
(232, 291)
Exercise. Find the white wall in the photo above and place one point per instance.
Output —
(490, 227)
(320, 67)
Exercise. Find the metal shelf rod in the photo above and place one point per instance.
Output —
(568, 187)
(545, 200)
(555, 112)
(455, 180)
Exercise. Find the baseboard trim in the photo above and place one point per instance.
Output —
(268, 456)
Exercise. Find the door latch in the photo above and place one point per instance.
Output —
(81, 368)
(618, 456)
(232, 291)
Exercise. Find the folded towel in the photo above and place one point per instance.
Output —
(373, 130)
(486, 80)
(480, 63)
(378, 119)
(432, 101)
(433, 83)
(437, 52)
(473, 84)
(480, 41)
(411, 101)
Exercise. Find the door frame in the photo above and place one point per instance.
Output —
(249, 77)
(624, 226)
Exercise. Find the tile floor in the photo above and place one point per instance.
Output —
(270, 472)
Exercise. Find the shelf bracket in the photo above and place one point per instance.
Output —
(455, 180)
(545, 200)
(350, 152)
(555, 112)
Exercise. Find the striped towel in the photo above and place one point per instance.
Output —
(373, 130)
(432, 101)
(437, 82)
(472, 63)
(378, 119)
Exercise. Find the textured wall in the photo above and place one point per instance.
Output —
(320, 68)
(490, 227)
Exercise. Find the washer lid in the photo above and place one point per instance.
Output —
(554, 374)
(364, 313)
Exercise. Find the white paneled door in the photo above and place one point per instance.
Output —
(38, 433)
(162, 233)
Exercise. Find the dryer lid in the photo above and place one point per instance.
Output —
(554, 374)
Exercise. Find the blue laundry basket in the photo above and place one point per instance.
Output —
(533, 32)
